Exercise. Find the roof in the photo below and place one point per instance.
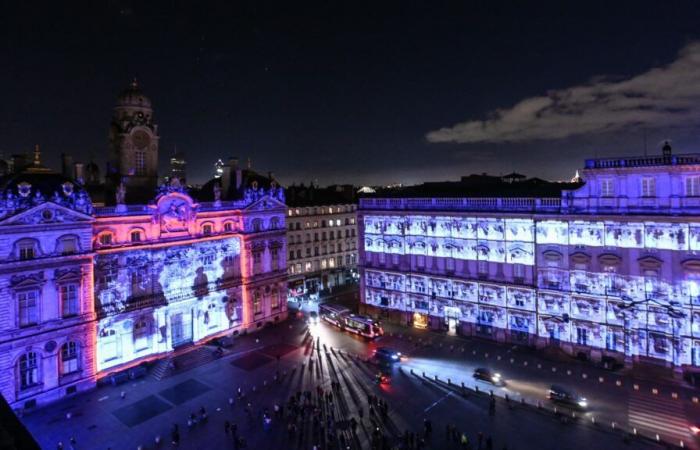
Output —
(300, 196)
(478, 186)
(206, 192)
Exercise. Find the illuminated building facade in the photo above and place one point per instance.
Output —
(608, 270)
(322, 242)
(87, 291)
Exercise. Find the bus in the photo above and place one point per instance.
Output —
(342, 318)
(363, 325)
(333, 313)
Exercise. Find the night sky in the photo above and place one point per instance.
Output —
(352, 92)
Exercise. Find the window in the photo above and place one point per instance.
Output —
(257, 303)
(28, 370)
(275, 257)
(257, 259)
(298, 226)
(323, 263)
(519, 271)
(347, 221)
(340, 246)
(308, 251)
(308, 267)
(228, 227)
(352, 222)
(352, 232)
(450, 264)
(315, 251)
(106, 238)
(323, 224)
(299, 253)
(69, 358)
(315, 237)
(140, 162)
(347, 233)
(482, 267)
(275, 299)
(141, 334)
(28, 308)
(109, 344)
(70, 304)
(607, 187)
(291, 255)
(395, 259)
(648, 187)
(27, 249)
(257, 225)
(274, 223)
(136, 236)
(692, 186)
(206, 229)
(420, 261)
(67, 245)
(581, 336)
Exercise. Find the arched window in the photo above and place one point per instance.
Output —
(69, 358)
(136, 235)
(28, 370)
(105, 238)
(275, 223)
(275, 299)
(207, 229)
(257, 225)
(228, 227)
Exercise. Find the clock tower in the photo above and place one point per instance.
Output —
(133, 145)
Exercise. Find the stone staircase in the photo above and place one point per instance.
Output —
(184, 360)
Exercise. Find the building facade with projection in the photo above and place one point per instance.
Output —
(610, 269)
(86, 291)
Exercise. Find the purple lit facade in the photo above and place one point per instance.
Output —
(88, 290)
(611, 269)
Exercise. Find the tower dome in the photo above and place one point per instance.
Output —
(132, 97)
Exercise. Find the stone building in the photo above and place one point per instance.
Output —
(607, 270)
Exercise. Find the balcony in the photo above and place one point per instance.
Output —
(643, 161)
(516, 204)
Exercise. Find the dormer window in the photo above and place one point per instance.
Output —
(648, 187)
(607, 187)
(27, 249)
(692, 186)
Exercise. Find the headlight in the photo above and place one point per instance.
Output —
(582, 403)
(394, 357)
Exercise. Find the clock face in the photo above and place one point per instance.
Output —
(141, 139)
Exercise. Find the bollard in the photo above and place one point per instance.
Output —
(593, 420)
(613, 425)
(634, 431)
(423, 374)
(436, 377)
(411, 371)
(476, 388)
(462, 384)
(449, 381)
(658, 438)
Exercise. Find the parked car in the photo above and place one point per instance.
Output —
(558, 394)
(489, 376)
(386, 354)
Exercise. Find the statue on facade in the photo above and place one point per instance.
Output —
(121, 197)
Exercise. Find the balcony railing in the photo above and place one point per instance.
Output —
(520, 204)
(643, 161)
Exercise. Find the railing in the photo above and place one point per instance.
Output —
(643, 161)
(520, 204)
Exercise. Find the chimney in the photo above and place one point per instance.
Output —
(79, 171)
(67, 166)
(226, 179)
(233, 162)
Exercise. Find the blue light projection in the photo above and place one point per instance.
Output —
(150, 300)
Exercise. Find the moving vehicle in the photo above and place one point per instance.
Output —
(333, 314)
(313, 318)
(386, 354)
(489, 376)
(381, 378)
(558, 394)
(342, 318)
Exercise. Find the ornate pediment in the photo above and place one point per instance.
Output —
(26, 279)
(265, 203)
(47, 213)
(175, 211)
(67, 274)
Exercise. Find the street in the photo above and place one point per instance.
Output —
(325, 357)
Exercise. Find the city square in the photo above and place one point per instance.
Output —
(344, 226)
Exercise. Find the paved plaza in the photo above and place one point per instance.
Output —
(306, 360)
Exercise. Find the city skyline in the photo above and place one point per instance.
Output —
(312, 94)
